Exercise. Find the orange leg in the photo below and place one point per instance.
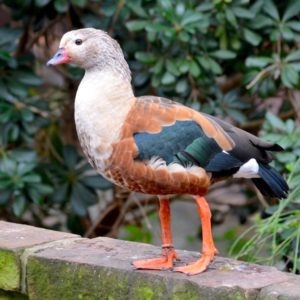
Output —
(208, 247)
(168, 252)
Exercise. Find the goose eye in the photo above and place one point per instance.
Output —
(78, 42)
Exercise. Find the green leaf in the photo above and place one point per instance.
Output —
(25, 167)
(172, 67)
(5, 55)
(16, 88)
(224, 54)
(191, 17)
(295, 25)
(180, 9)
(96, 182)
(242, 12)
(19, 205)
(89, 20)
(9, 37)
(8, 166)
(184, 66)
(166, 4)
(184, 37)
(271, 9)
(137, 9)
(21, 155)
(156, 28)
(145, 57)
(27, 78)
(80, 3)
(287, 33)
(259, 62)
(181, 86)
(157, 68)
(252, 37)
(140, 78)
(27, 115)
(256, 7)
(136, 25)
(34, 195)
(194, 69)
(275, 121)
(4, 196)
(205, 6)
(41, 2)
(236, 115)
(168, 78)
(289, 76)
(292, 10)
(32, 178)
(81, 198)
(214, 66)
(6, 183)
(231, 17)
(4, 94)
(70, 156)
(295, 55)
(61, 5)
(43, 189)
(59, 194)
(262, 21)
(204, 62)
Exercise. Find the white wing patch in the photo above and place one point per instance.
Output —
(157, 162)
(248, 170)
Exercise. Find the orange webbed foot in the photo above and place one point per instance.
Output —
(198, 266)
(165, 262)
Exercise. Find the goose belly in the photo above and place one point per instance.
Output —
(96, 147)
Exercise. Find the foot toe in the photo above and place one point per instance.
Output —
(197, 267)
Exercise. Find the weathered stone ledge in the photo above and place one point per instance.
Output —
(40, 264)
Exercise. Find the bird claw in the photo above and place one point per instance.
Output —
(165, 262)
(196, 267)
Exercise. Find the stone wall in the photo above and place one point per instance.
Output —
(42, 264)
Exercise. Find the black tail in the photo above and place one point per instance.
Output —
(271, 182)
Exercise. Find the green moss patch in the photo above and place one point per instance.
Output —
(12, 296)
(147, 286)
(55, 279)
(10, 271)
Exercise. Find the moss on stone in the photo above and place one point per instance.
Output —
(233, 293)
(147, 286)
(10, 271)
(12, 296)
(184, 290)
(55, 279)
(143, 293)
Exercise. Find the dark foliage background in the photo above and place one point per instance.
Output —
(236, 59)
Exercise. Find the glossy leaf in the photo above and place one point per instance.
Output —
(61, 5)
(19, 205)
(270, 9)
(136, 25)
(293, 56)
(293, 9)
(243, 12)
(168, 78)
(289, 76)
(252, 37)
(259, 62)
(144, 57)
(224, 54)
(294, 25)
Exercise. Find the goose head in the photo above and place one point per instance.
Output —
(91, 49)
